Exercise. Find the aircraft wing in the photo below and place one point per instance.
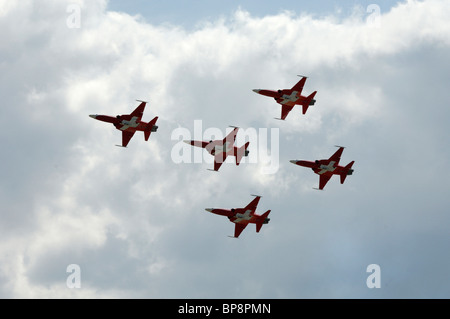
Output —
(238, 228)
(323, 180)
(336, 157)
(299, 86)
(139, 111)
(253, 204)
(285, 109)
(126, 137)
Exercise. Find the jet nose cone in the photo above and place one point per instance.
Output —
(94, 116)
(209, 209)
(256, 90)
(187, 142)
(293, 161)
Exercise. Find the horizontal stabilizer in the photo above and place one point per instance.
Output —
(263, 220)
(151, 127)
(347, 171)
(309, 101)
(202, 144)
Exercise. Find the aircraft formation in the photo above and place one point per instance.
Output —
(129, 124)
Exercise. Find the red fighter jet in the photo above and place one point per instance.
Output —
(326, 168)
(288, 98)
(241, 217)
(221, 149)
(130, 123)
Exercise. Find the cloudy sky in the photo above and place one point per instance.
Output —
(133, 219)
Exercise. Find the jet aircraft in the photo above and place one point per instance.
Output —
(326, 168)
(221, 149)
(130, 123)
(288, 98)
(241, 217)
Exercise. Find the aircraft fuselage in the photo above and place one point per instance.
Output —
(286, 97)
(239, 215)
(125, 123)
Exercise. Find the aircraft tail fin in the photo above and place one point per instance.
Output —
(241, 152)
(347, 171)
(151, 127)
(309, 101)
(263, 220)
